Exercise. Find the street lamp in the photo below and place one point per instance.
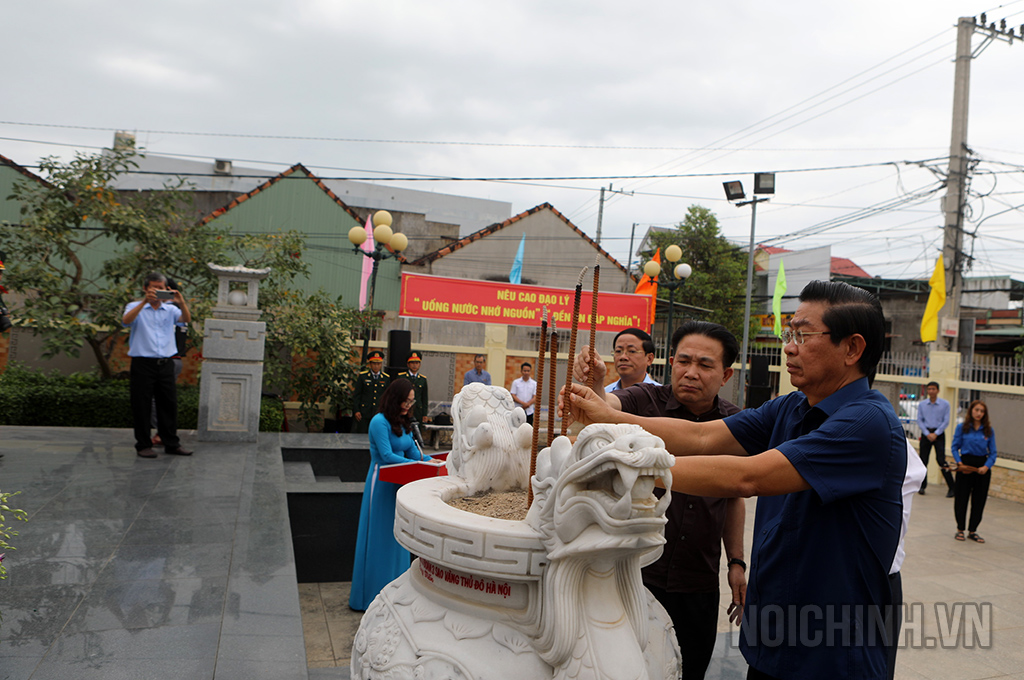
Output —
(382, 237)
(764, 183)
(681, 272)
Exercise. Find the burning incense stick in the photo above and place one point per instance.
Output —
(553, 383)
(539, 397)
(592, 361)
(572, 349)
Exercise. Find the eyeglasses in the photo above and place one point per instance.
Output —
(631, 352)
(798, 336)
(408, 402)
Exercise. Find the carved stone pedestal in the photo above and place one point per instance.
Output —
(557, 595)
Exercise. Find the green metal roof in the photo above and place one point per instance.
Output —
(92, 257)
(296, 200)
(10, 210)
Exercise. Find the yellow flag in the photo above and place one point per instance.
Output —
(780, 290)
(937, 298)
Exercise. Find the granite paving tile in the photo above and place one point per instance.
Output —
(168, 561)
(37, 612)
(150, 604)
(161, 531)
(168, 652)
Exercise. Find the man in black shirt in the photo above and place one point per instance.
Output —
(685, 578)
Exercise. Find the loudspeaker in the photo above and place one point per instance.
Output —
(760, 389)
(758, 395)
(399, 348)
(759, 371)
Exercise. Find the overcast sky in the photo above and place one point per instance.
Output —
(556, 89)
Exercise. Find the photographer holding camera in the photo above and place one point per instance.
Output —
(151, 346)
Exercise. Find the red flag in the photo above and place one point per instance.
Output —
(649, 286)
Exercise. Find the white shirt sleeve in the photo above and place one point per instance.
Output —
(911, 484)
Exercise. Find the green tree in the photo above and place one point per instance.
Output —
(82, 250)
(719, 268)
(312, 350)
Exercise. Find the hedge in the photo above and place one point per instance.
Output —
(80, 400)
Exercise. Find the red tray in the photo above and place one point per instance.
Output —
(403, 473)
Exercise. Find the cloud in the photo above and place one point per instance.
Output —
(151, 71)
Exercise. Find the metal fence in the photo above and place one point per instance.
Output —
(993, 370)
(908, 364)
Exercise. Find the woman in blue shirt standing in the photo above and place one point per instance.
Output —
(379, 558)
(974, 450)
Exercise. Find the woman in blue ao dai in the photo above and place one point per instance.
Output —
(379, 558)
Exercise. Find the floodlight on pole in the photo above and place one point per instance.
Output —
(734, 191)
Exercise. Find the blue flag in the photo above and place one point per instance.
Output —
(516, 275)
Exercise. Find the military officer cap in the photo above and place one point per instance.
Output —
(415, 356)
(375, 355)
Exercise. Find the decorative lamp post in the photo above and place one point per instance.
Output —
(764, 183)
(680, 272)
(382, 237)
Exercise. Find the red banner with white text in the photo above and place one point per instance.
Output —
(438, 297)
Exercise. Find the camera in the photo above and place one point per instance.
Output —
(165, 295)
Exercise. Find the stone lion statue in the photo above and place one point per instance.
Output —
(490, 439)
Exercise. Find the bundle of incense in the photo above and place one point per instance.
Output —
(553, 383)
(592, 361)
(572, 350)
(542, 344)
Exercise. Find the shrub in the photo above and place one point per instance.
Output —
(34, 398)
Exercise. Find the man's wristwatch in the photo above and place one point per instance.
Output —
(736, 560)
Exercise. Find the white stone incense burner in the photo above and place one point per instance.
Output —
(558, 595)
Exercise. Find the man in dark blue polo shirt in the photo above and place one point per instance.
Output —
(828, 463)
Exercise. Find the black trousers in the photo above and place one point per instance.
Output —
(940, 457)
(895, 622)
(971, 488)
(695, 618)
(152, 381)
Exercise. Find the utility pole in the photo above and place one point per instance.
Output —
(956, 178)
(629, 265)
(600, 207)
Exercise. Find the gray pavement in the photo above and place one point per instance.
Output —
(182, 568)
(175, 567)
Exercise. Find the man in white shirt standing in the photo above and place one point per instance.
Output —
(524, 391)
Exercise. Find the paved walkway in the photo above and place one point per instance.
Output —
(182, 568)
(132, 568)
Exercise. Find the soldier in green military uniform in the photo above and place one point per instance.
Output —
(419, 386)
(370, 384)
